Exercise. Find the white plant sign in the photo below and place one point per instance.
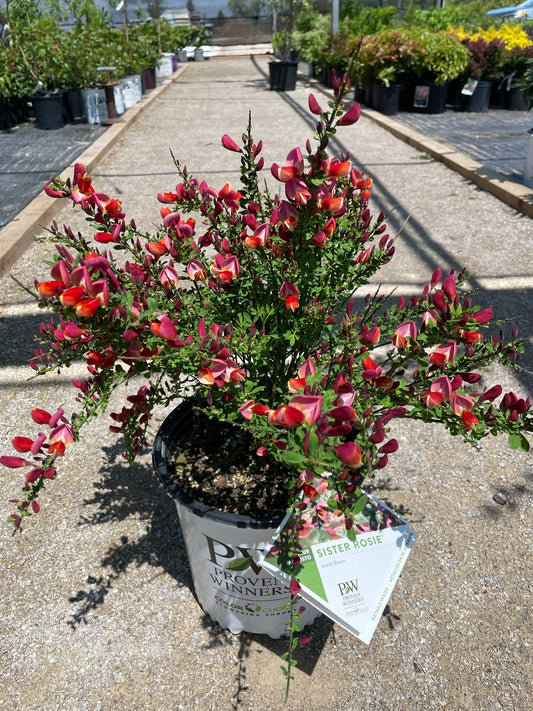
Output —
(348, 579)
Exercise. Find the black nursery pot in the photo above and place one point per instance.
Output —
(48, 110)
(479, 100)
(386, 99)
(513, 101)
(6, 119)
(427, 97)
(283, 76)
(74, 106)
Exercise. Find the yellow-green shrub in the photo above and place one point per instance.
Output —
(511, 36)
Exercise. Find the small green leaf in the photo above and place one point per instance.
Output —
(360, 505)
(312, 443)
(240, 563)
(291, 457)
(524, 443)
(515, 441)
(289, 337)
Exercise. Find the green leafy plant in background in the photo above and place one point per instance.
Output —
(526, 84)
(384, 57)
(361, 20)
(286, 14)
(312, 37)
(440, 56)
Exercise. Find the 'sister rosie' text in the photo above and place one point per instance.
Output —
(345, 546)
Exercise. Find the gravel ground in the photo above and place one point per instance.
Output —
(97, 606)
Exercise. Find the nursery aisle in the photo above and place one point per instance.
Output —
(96, 602)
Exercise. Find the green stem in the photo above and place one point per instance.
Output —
(292, 638)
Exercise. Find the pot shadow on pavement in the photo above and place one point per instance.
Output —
(321, 631)
(126, 491)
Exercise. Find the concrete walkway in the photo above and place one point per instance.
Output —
(96, 599)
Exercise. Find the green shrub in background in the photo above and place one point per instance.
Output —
(287, 13)
(138, 49)
(340, 51)
(516, 62)
(86, 49)
(312, 37)
(317, 45)
(384, 58)
(362, 20)
(470, 15)
(179, 37)
(526, 85)
(41, 48)
(15, 79)
(441, 56)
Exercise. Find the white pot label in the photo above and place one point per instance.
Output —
(131, 90)
(229, 582)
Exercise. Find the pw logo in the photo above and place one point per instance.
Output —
(350, 586)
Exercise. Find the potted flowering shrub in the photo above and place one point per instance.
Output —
(245, 315)
(440, 59)
(384, 60)
(483, 68)
(41, 49)
(285, 16)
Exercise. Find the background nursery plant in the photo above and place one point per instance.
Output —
(249, 305)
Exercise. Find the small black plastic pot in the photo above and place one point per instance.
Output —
(48, 110)
(283, 76)
(386, 99)
(74, 106)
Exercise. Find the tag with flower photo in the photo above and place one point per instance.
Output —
(349, 575)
